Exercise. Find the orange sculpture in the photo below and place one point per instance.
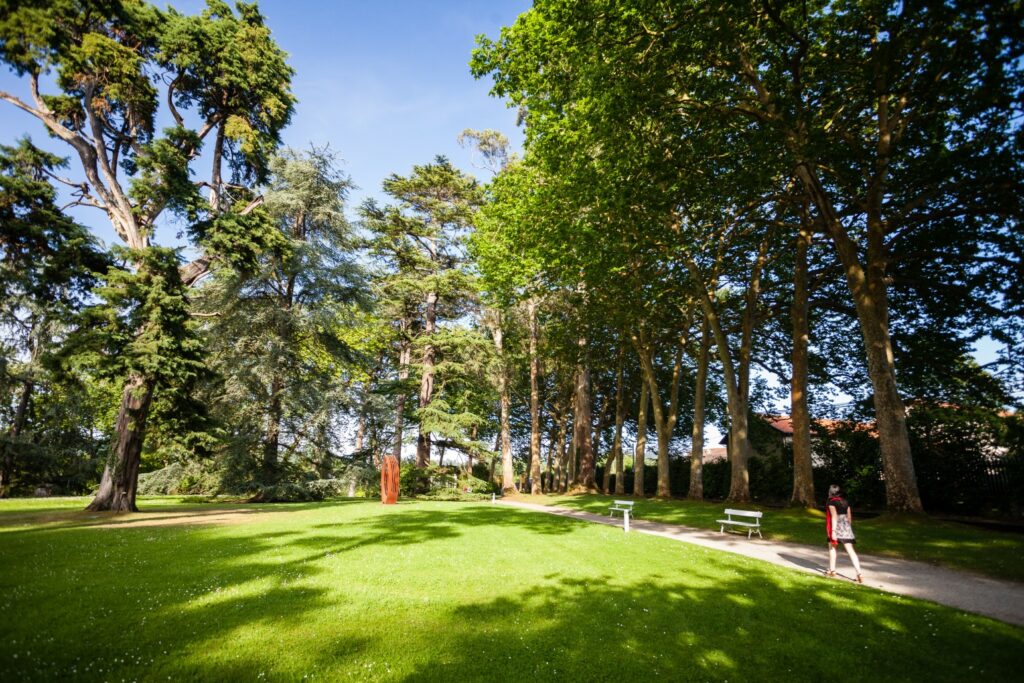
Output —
(389, 481)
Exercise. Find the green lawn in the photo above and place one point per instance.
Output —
(442, 591)
(960, 546)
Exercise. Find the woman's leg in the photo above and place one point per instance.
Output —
(853, 556)
(831, 558)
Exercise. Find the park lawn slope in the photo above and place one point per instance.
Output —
(445, 591)
(913, 537)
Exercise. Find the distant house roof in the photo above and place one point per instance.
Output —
(784, 425)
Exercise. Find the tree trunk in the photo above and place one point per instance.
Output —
(535, 477)
(620, 418)
(469, 452)
(599, 428)
(640, 451)
(696, 491)
(427, 381)
(736, 375)
(546, 479)
(508, 486)
(870, 296)
(271, 441)
(121, 474)
(569, 468)
(664, 417)
(404, 358)
(803, 472)
(584, 479)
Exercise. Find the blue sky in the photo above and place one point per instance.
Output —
(385, 83)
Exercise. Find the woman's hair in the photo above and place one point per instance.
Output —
(834, 491)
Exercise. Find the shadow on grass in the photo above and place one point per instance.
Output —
(743, 628)
(231, 604)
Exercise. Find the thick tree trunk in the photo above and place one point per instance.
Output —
(803, 472)
(696, 491)
(640, 451)
(121, 474)
(535, 476)
(584, 479)
(870, 296)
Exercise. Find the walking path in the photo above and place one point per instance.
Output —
(1003, 600)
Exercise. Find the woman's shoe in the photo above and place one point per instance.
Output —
(860, 578)
(830, 575)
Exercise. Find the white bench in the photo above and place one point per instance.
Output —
(751, 526)
(623, 506)
(626, 508)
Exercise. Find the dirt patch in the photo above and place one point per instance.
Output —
(129, 520)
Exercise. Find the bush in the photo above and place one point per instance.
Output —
(457, 495)
(331, 488)
(180, 479)
(479, 486)
(285, 493)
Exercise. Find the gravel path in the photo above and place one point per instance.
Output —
(1003, 600)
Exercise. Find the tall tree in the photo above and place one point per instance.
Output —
(223, 72)
(278, 334)
(47, 263)
(423, 236)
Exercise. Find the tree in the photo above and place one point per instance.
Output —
(46, 270)
(223, 72)
(880, 112)
(278, 334)
(421, 239)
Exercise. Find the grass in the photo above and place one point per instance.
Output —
(441, 591)
(998, 554)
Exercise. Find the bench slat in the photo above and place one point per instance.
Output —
(744, 513)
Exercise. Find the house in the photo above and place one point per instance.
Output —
(773, 434)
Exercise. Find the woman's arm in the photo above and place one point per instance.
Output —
(833, 517)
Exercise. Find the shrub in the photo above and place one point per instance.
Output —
(332, 488)
(475, 485)
(457, 495)
(285, 493)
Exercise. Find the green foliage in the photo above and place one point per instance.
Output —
(287, 492)
(46, 259)
(280, 330)
(960, 459)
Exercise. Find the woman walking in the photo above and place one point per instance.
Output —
(839, 528)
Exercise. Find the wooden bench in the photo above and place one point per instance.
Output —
(751, 526)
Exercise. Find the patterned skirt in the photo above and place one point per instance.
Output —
(844, 530)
